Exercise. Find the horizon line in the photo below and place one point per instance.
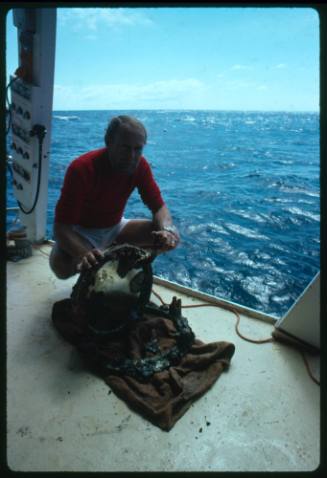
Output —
(191, 109)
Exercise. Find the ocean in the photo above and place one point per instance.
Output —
(243, 189)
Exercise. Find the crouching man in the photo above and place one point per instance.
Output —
(89, 213)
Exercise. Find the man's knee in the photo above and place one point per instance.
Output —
(61, 263)
(61, 273)
(136, 231)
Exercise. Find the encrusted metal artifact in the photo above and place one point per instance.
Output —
(113, 295)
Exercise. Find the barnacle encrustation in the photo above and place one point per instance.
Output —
(114, 296)
(114, 291)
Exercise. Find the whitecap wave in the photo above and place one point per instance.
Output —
(292, 189)
(66, 118)
(262, 289)
(189, 119)
(213, 227)
(284, 161)
(253, 216)
(300, 212)
(244, 259)
(281, 299)
(244, 231)
(209, 120)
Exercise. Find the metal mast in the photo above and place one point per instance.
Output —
(31, 113)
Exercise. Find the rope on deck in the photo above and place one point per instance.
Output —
(230, 309)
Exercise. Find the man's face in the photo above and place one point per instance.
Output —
(126, 149)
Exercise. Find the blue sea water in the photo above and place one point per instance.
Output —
(242, 187)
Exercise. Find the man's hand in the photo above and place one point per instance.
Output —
(89, 259)
(166, 240)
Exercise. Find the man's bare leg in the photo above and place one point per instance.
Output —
(143, 233)
(137, 232)
(63, 264)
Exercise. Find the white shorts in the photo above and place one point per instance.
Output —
(102, 237)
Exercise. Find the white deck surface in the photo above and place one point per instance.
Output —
(264, 412)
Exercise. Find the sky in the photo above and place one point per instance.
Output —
(211, 58)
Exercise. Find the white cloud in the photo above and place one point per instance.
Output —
(92, 18)
(236, 84)
(241, 67)
(281, 65)
(123, 95)
(244, 85)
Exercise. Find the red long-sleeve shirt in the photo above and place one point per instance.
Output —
(93, 195)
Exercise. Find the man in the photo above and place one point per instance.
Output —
(97, 185)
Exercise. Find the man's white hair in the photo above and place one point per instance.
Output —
(123, 121)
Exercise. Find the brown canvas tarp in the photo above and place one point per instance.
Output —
(165, 395)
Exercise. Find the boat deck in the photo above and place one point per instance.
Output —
(263, 414)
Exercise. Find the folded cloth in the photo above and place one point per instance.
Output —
(161, 396)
